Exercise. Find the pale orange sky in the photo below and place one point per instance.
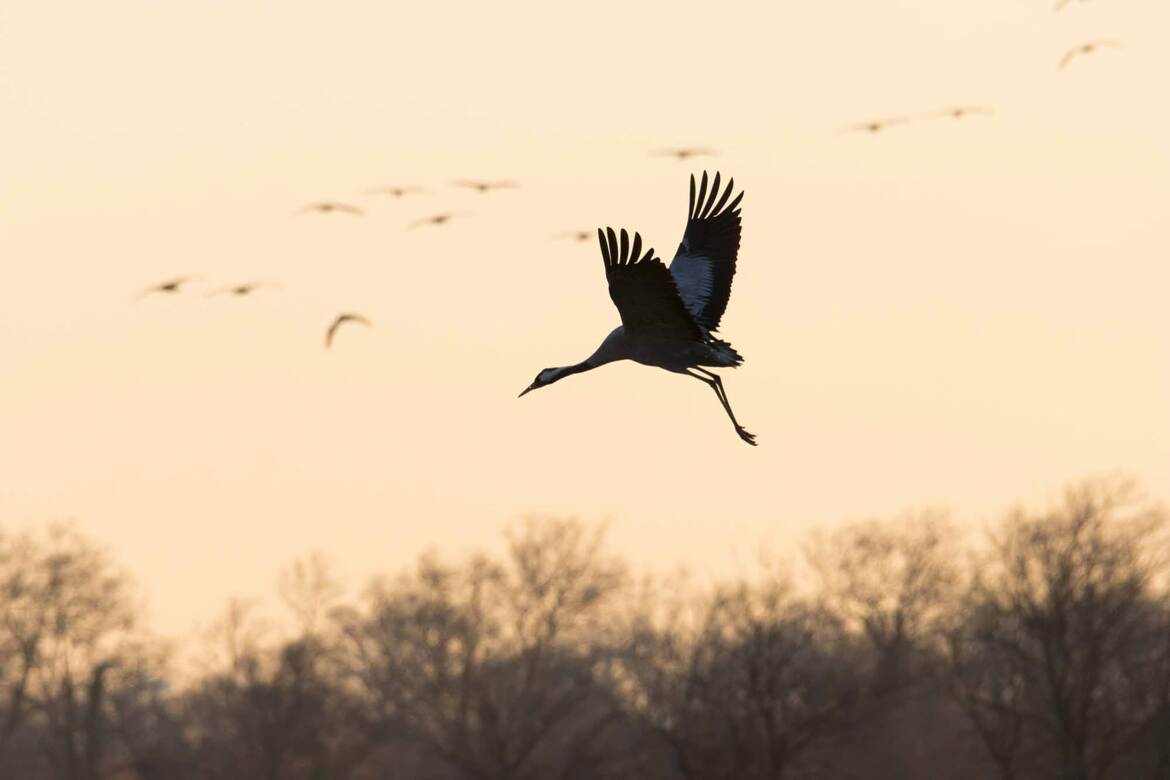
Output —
(963, 314)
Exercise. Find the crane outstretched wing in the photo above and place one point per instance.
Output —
(642, 288)
(705, 262)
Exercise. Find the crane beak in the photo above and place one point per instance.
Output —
(530, 387)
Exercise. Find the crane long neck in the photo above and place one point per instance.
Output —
(613, 348)
(576, 368)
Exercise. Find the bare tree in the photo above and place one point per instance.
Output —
(67, 615)
(275, 708)
(309, 589)
(146, 715)
(895, 583)
(23, 624)
(1054, 654)
(891, 580)
(492, 669)
(743, 684)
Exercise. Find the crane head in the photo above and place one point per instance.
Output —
(546, 377)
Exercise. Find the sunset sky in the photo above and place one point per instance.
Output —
(950, 313)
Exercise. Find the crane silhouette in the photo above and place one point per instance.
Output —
(171, 286)
(338, 322)
(962, 112)
(1086, 49)
(683, 153)
(331, 207)
(247, 288)
(435, 219)
(577, 235)
(875, 126)
(668, 315)
(396, 192)
(486, 186)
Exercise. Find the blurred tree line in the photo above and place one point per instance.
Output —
(894, 649)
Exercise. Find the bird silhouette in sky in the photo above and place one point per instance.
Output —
(669, 315)
(962, 112)
(441, 218)
(875, 126)
(338, 322)
(1086, 49)
(683, 153)
(247, 288)
(575, 235)
(331, 207)
(486, 186)
(171, 286)
(396, 192)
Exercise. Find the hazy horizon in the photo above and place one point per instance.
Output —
(956, 314)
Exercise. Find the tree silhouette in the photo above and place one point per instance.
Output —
(1040, 652)
(1059, 649)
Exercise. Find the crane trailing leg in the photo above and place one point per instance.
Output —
(713, 381)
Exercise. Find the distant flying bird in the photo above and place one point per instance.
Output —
(337, 323)
(576, 235)
(486, 186)
(330, 207)
(244, 289)
(875, 126)
(435, 219)
(668, 315)
(396, 192)
(962, 112)
(683, 153)
(170, 286)
(1085, 49)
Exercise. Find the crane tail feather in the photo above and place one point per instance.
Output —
(725, 354)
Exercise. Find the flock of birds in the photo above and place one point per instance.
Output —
(669, 314)
(1085, 49)
(180, 284)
